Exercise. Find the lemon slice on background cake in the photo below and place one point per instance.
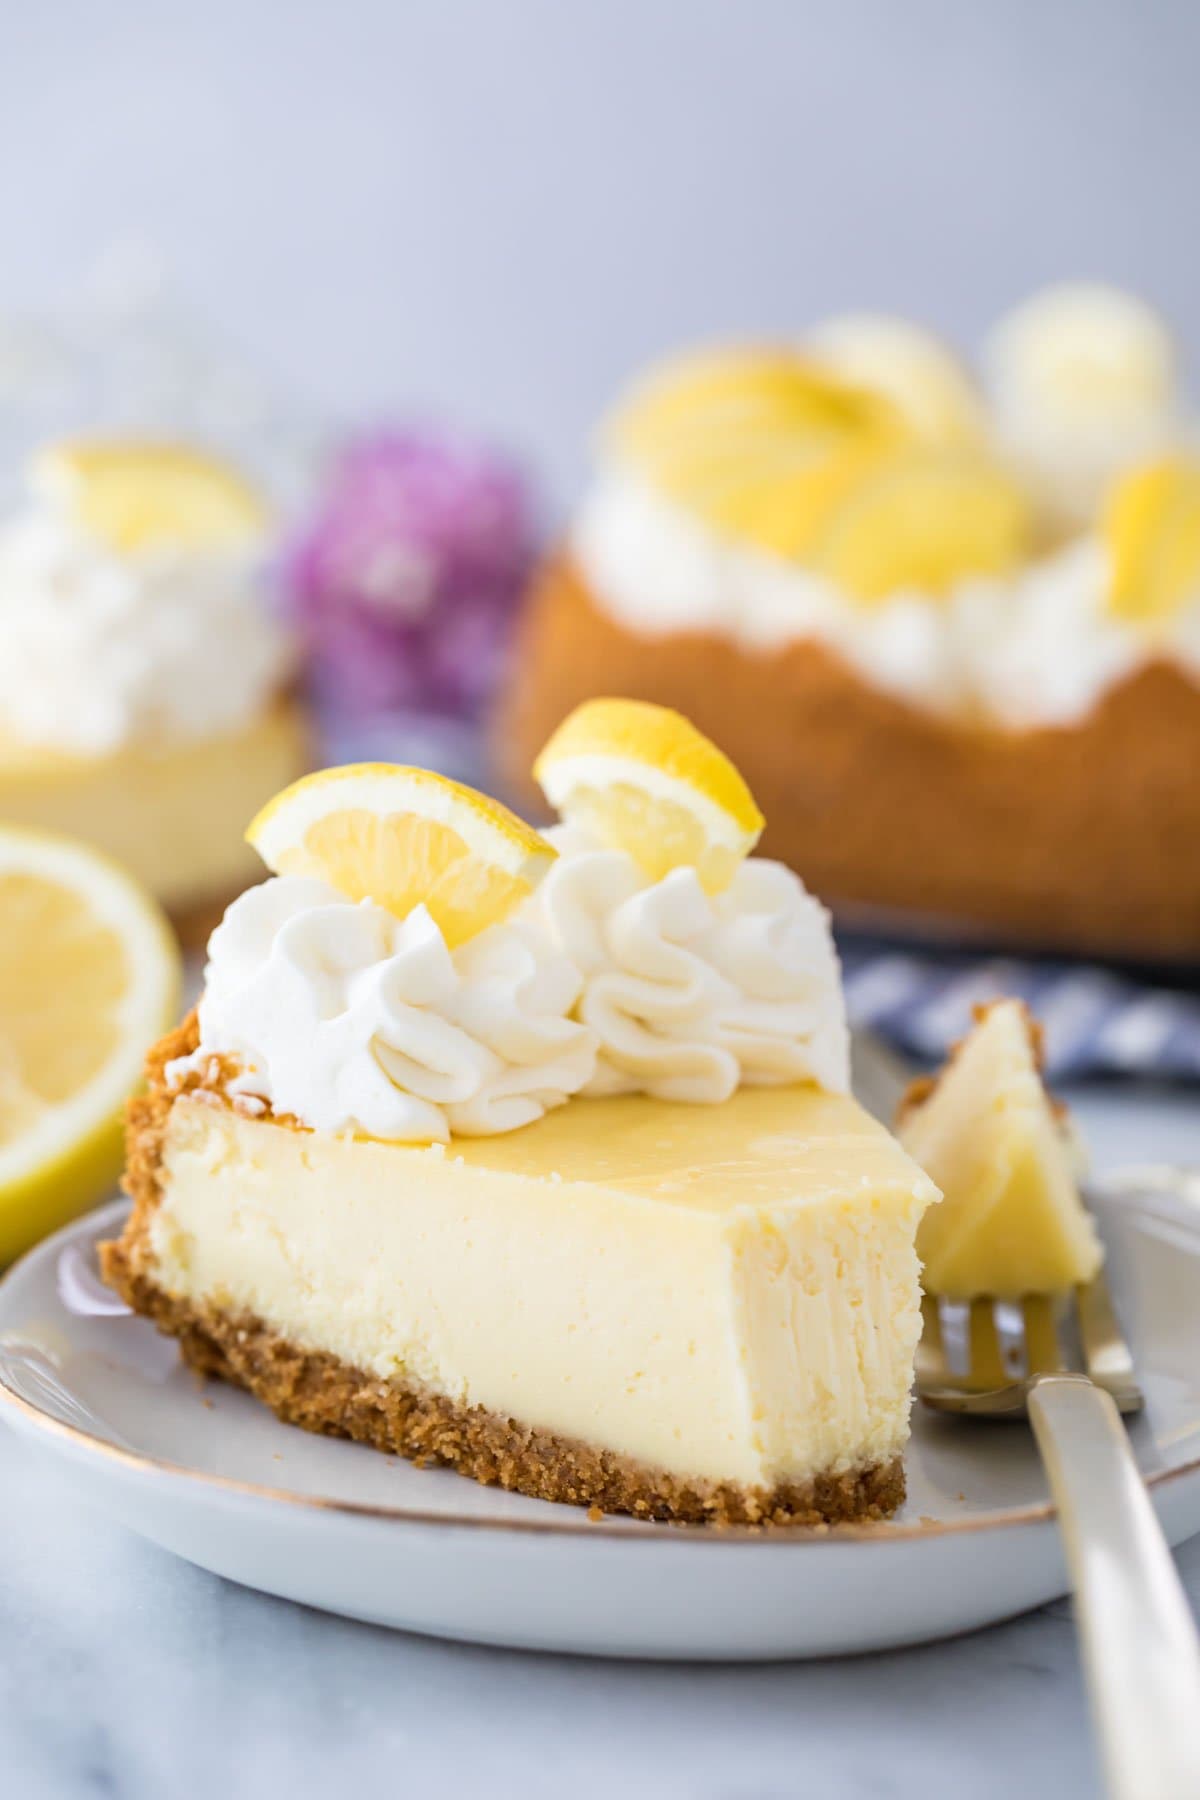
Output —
(402, 836)
(759, 442)
(1152, 529)
(135, 496)
(922, 522)
(744, 389)
(925, 381)
(643, 779)
(89, 978)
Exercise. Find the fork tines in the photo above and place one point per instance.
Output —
(979, 1357)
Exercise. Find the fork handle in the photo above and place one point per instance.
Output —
(1140, 1650)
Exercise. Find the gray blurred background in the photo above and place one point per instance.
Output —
(494, 211)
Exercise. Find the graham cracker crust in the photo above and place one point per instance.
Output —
(321, 1393)
(1085, 836)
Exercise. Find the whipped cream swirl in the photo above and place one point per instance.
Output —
(353, 1020)
(692, 995)
(1037, 649)
(100, 649)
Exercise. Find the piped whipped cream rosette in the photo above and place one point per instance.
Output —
(703, 968)
(349, 1018)
(380, 982)
(424, 965)
(131, 601)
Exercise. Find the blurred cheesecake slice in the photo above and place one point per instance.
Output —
(1012, 1221)
(147, 697)
(172, 814)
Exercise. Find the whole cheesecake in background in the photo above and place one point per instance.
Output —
(950, 631)
(534, 1157)
(145, 694)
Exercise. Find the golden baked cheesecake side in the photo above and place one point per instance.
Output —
(951, 635)
(172, 814)
(568, 1195)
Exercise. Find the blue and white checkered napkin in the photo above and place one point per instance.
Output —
(1097, 1022)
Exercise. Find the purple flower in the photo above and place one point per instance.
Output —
(406, 580)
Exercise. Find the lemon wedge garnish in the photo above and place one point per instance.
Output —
(134, 496)
(923, 379)
(403, 837)
(921, 523)
(89, 977)
(642, 779)
(759, 442)
(1152, 529)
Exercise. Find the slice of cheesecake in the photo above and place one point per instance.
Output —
(1012, 1221)
(535, 1158)
(677, 1311)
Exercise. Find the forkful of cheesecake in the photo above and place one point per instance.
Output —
(1019, 1322)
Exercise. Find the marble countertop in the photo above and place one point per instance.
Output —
(127, 1674)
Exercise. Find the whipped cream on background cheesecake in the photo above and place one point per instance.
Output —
(143, 684)
(577, 1203)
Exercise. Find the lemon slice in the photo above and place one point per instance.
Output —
(925, 380)
(643, 779)
(1152, 528)
(746, 388)
(922, 522)
(403, 837)
(89, 977)
(134, 496)
(757, 441)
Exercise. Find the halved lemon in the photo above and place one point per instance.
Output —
(923, 521)
(137, 495)
(1152, 529)
(643, 779)
(400, 837)
(89, 977)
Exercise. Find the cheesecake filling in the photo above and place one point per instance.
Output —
(736, 1303)
(101, 649)
(1038, 649)
(173, 816)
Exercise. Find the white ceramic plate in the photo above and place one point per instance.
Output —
(204, 1471)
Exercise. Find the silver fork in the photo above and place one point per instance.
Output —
(990, 1361)
(1140, 1649)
